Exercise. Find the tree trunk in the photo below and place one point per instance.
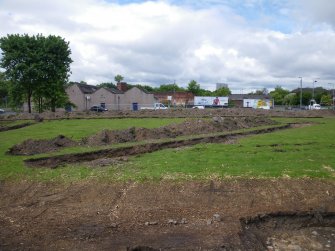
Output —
(29, 103)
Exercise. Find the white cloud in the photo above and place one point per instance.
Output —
(158, 42)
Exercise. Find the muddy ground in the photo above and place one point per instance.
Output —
(235, 214)
(109, 137)
(172, 113)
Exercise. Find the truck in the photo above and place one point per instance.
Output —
(201, 102)
(155, 106)
(313, 105)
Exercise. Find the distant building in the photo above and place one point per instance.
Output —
(221, 85)
(85, 96)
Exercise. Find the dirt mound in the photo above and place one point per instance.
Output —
(179, 112)
(188, 127)
(30, 147)
(107, 137)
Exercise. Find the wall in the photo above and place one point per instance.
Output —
(78, 98)
(112, 101)
(136, 95)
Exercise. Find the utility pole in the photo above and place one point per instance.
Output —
(313, 88)
(300, 93)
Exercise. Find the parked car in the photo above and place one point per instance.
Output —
(97, 108)
(2, 111)
(155, 106)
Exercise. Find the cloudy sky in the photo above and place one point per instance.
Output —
(249, 44)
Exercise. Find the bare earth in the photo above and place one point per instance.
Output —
(168, 215)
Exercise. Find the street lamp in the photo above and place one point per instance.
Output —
(300, 92)
(313, 88)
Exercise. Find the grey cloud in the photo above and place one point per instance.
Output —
(208, 45)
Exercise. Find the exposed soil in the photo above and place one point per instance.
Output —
(188, 127)
(13, 127)
(182, 113)
(289, 231)
(107, 137)
(236, 214)
(59, 160)
(30, 146)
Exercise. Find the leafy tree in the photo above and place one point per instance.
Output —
(204, 92)
(4, 89)
(38, 68)
(264, 91)
(143, 87)
(290, 99)
(278, 95)
(118, 78)
(194, 87)
(222, 92)
(55, 69)
(169, 88)
(326, 99)
(306, 97)
(107, 85)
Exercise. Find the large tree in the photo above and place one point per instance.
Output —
(278, 95)
(222, 92)
(194, 87)
(4, 90)
(169, 88)
(38, 68)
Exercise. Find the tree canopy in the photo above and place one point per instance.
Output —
(278, 95)
(118, 78)
(194, 87)
(169, 88)
(38, 68)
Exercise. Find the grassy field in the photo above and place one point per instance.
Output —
(300, 152)
(12, 166)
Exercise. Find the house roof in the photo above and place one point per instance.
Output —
(140, 88)
(87, 89)
(114, 90)
(248, 96)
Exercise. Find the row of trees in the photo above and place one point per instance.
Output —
(192, 86)
(282, 96)
(37, 69)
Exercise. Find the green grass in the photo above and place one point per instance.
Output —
(12, 166)
(300, 152)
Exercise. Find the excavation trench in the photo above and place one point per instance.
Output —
(14, 127)
(289, 231)
(56, 161)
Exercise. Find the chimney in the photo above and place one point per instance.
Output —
(122, 86)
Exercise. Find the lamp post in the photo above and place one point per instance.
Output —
(313, 88)
(300, 93)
